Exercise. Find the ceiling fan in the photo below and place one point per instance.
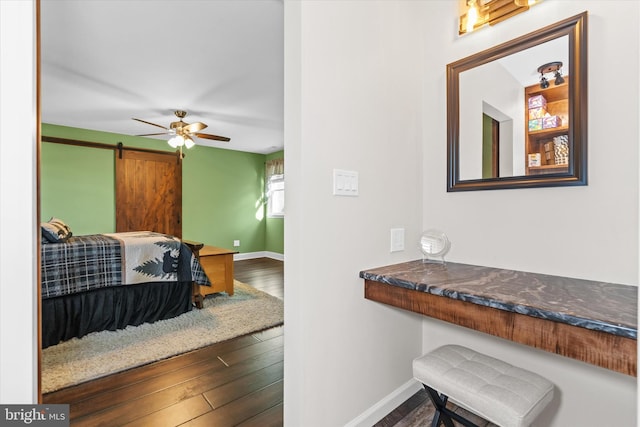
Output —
(183, 132)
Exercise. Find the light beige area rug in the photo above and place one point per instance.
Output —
(102, 353)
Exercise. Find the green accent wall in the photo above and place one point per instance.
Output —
(222, 190)
(275, 226)
(487, 146)
(77, 187)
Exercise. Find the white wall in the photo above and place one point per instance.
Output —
(353, 98)
(353, 72)
(18, 344)
(586, 232)
(494, 85)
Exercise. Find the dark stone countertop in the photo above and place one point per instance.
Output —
(606, 307)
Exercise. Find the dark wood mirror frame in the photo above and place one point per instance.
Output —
(576, 30)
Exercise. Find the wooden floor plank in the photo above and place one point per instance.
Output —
(241, 409)
(237, 356)
(238, 388)
(418, 399)
(174, 415)
(278, 331)
(139, 389)
(272, 417)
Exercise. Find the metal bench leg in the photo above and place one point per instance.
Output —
(443, 414)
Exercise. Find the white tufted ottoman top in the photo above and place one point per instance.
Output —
(495, 390)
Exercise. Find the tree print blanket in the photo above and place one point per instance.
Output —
(148, 257)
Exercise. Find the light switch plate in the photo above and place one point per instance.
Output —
(345, 183)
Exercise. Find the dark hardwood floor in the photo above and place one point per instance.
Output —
(265, 274)
(234, 383)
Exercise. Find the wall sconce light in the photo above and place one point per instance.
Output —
(472, 16)
(551, 67)
(522, 3)
(476, 13)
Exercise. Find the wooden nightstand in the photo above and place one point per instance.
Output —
(217, 263)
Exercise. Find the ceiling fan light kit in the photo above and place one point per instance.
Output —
(183, 133)
(179, 141)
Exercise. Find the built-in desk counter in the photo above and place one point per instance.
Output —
(594, 322)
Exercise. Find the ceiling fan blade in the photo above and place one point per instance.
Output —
(149, 123)
(154, 134)
(214, 137)
(194, 127)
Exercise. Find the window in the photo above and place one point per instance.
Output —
(275, 196)
(274, 171)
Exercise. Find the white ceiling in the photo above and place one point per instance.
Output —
(524, 65)
(106, 61)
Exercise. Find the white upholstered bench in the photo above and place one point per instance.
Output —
(495, 390)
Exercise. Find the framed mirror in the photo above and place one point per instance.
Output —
(517, 112)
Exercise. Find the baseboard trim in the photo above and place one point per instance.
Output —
(386, 405)
(260, 254)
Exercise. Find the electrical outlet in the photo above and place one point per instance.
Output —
(397, 239)
(236, 243)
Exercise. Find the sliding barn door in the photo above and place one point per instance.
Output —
(148, 192)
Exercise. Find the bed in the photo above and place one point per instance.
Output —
(104, 282)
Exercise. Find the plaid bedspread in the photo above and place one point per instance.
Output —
(96, 261)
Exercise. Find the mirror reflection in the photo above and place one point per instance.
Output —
(517, 112)
(494, 104)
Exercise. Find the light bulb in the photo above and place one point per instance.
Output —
(472, 17)
(544, 83)
(176, 141)
(188, 142)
